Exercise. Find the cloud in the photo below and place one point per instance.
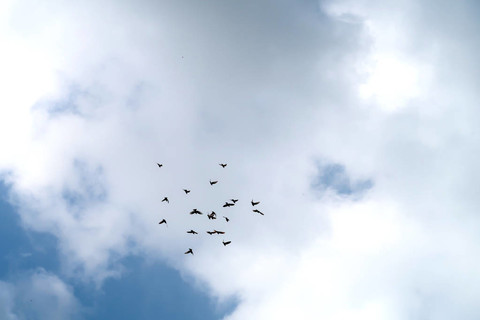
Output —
(272, 89)
(38, 295)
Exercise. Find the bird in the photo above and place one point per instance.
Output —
(192, 232)
(165, 199)
(227, 204)
(212, 215)
(254, 203)
(212, 182)
(211, 232)
(234, 200)
(226, 242)
(189, 251)
(258, 211)
(186, 191)
(218, 232)
(195, 211)
(163, 221)
(159, 165)
(223, 165)
(226, 218)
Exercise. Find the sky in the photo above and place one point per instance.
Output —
(354, 123)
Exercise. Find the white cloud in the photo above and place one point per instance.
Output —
(271, 89)
(38, 295)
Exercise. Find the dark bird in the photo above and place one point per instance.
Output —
(212, 215)
(195, 211)
(226, 218)
(163, 221)
(255, 203)
(218, 232)
(226, 242)
(227, 204)
(159, 165)
(189, 251)
(192, 232)
(258, 211)
(186, 191)
(165, 199)
(234, 200)
(211, 232)
(212, 182)
(223, 165)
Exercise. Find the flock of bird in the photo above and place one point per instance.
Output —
(212, 215)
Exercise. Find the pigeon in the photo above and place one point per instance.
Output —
(192, 232)
(212, 182)
(226, 242)
(186, 191)
(195, 211)
(212, 215)
(163, 221)
(234, 200)
(255, 203)
(165, 199)
(226, 218)
(159, 165)
(258, 211)
(227, 204)
(223, 165)
(189, 251)
(218, 232)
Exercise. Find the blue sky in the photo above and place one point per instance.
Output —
(353, 122)
(144, 291)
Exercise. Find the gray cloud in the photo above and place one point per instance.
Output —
(269, 88)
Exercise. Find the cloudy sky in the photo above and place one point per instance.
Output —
(353, 122)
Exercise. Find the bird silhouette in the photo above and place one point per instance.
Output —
(195, 211)
(219, 232)
(163, 221)
(226, 242)
(192, 232)
(234, 200)
(159, 165)
(212, 215)
(223, 165)
(165, 199)
(226, 218)
(186, 191)
(211, 232)
(227, 204)
(258, 211)
(189, 251)
(255, 203)
(212, 182)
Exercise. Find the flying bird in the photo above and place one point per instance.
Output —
(189, 251)
(234, 200)
(218, 232)
(159, 165)
(223, 165)
(195, 211)
(192, 232)
(227, 204)
(165, 199)
(226, 218)
(186, 191)
(211, 232)
(212, 215)
(212, 182)
(163, 221)
(255, 203)
(226, 242)
(258, 211)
